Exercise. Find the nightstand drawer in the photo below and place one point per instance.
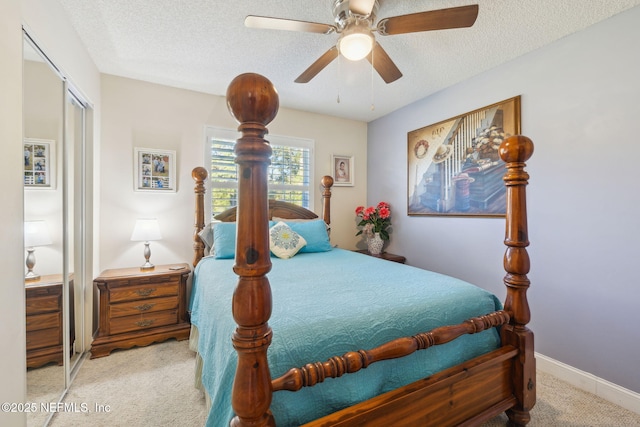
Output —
(151, 290)
(43, 338)
(142, 321)
(43, 304)
(146, 306)
(43, 321)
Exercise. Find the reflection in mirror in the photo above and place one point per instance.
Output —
(74, 141)
(46, 285)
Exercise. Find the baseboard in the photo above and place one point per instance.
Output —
(590, 383)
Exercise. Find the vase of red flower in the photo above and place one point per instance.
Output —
(375, 222)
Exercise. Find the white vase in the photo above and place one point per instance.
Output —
(374, 244)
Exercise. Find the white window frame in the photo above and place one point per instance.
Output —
(275, 140)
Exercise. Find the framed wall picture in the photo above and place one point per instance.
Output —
(39, 163)
(454, 167)
(342, 170)
(155, 170)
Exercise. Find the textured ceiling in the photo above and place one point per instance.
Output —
(203, 44)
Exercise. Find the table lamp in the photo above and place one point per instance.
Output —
(146, 230)
(36, 233)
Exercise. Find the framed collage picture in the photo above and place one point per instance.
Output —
(454, 168)
(155, 170)
(39, 163)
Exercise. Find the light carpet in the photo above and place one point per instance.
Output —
(154, 386)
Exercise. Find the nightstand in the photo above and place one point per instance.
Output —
(385, 255)
(139, 307)
(44, 320)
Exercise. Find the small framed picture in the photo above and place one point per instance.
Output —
(39, 163)
(155, 170)
(342, 170)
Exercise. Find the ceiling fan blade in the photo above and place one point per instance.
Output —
(361, 7)
(455, 17)
(318, 66)
(383, 64)
(267, 23)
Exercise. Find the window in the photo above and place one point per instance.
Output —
(289, 174)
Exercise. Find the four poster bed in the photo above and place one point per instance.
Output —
(437, 351)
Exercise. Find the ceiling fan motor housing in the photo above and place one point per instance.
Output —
(344, 14)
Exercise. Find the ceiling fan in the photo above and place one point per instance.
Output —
(354, 23)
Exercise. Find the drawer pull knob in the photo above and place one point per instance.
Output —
(144, 307)
(145, 292)
(144, 323)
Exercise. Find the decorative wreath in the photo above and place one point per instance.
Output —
(421, 148)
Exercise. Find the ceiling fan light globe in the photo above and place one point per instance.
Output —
(355, 46)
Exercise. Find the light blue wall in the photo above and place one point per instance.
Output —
(580, 105)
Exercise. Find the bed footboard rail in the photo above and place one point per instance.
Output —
(464, 395)
(353, 361)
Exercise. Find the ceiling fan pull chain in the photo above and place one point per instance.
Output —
(339, 62)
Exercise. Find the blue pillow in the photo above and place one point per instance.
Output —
(224, 239)
(314, 232)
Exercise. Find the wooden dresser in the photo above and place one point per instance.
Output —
(44, 320)
(139, 307)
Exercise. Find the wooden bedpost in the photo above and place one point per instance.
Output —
(253, 101)
(327, 183)
(515, 151)
(199, 175)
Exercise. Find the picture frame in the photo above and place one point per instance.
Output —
(454, 168)
(342, 170)
(155, 170)
(39, 164)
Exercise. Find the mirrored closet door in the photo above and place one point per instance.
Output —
(55, 131)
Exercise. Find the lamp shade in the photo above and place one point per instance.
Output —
(36, 233)
(146, 230)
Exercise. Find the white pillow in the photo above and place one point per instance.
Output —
(284, 242)
(206, 235)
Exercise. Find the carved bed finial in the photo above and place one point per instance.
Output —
(252, 98)
(326, 182)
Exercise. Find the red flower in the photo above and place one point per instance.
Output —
(374, 220)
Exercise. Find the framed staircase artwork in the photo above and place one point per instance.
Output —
(454, 167)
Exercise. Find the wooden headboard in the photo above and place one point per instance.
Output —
(277, 209)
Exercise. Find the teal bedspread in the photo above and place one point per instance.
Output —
(328, 303)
